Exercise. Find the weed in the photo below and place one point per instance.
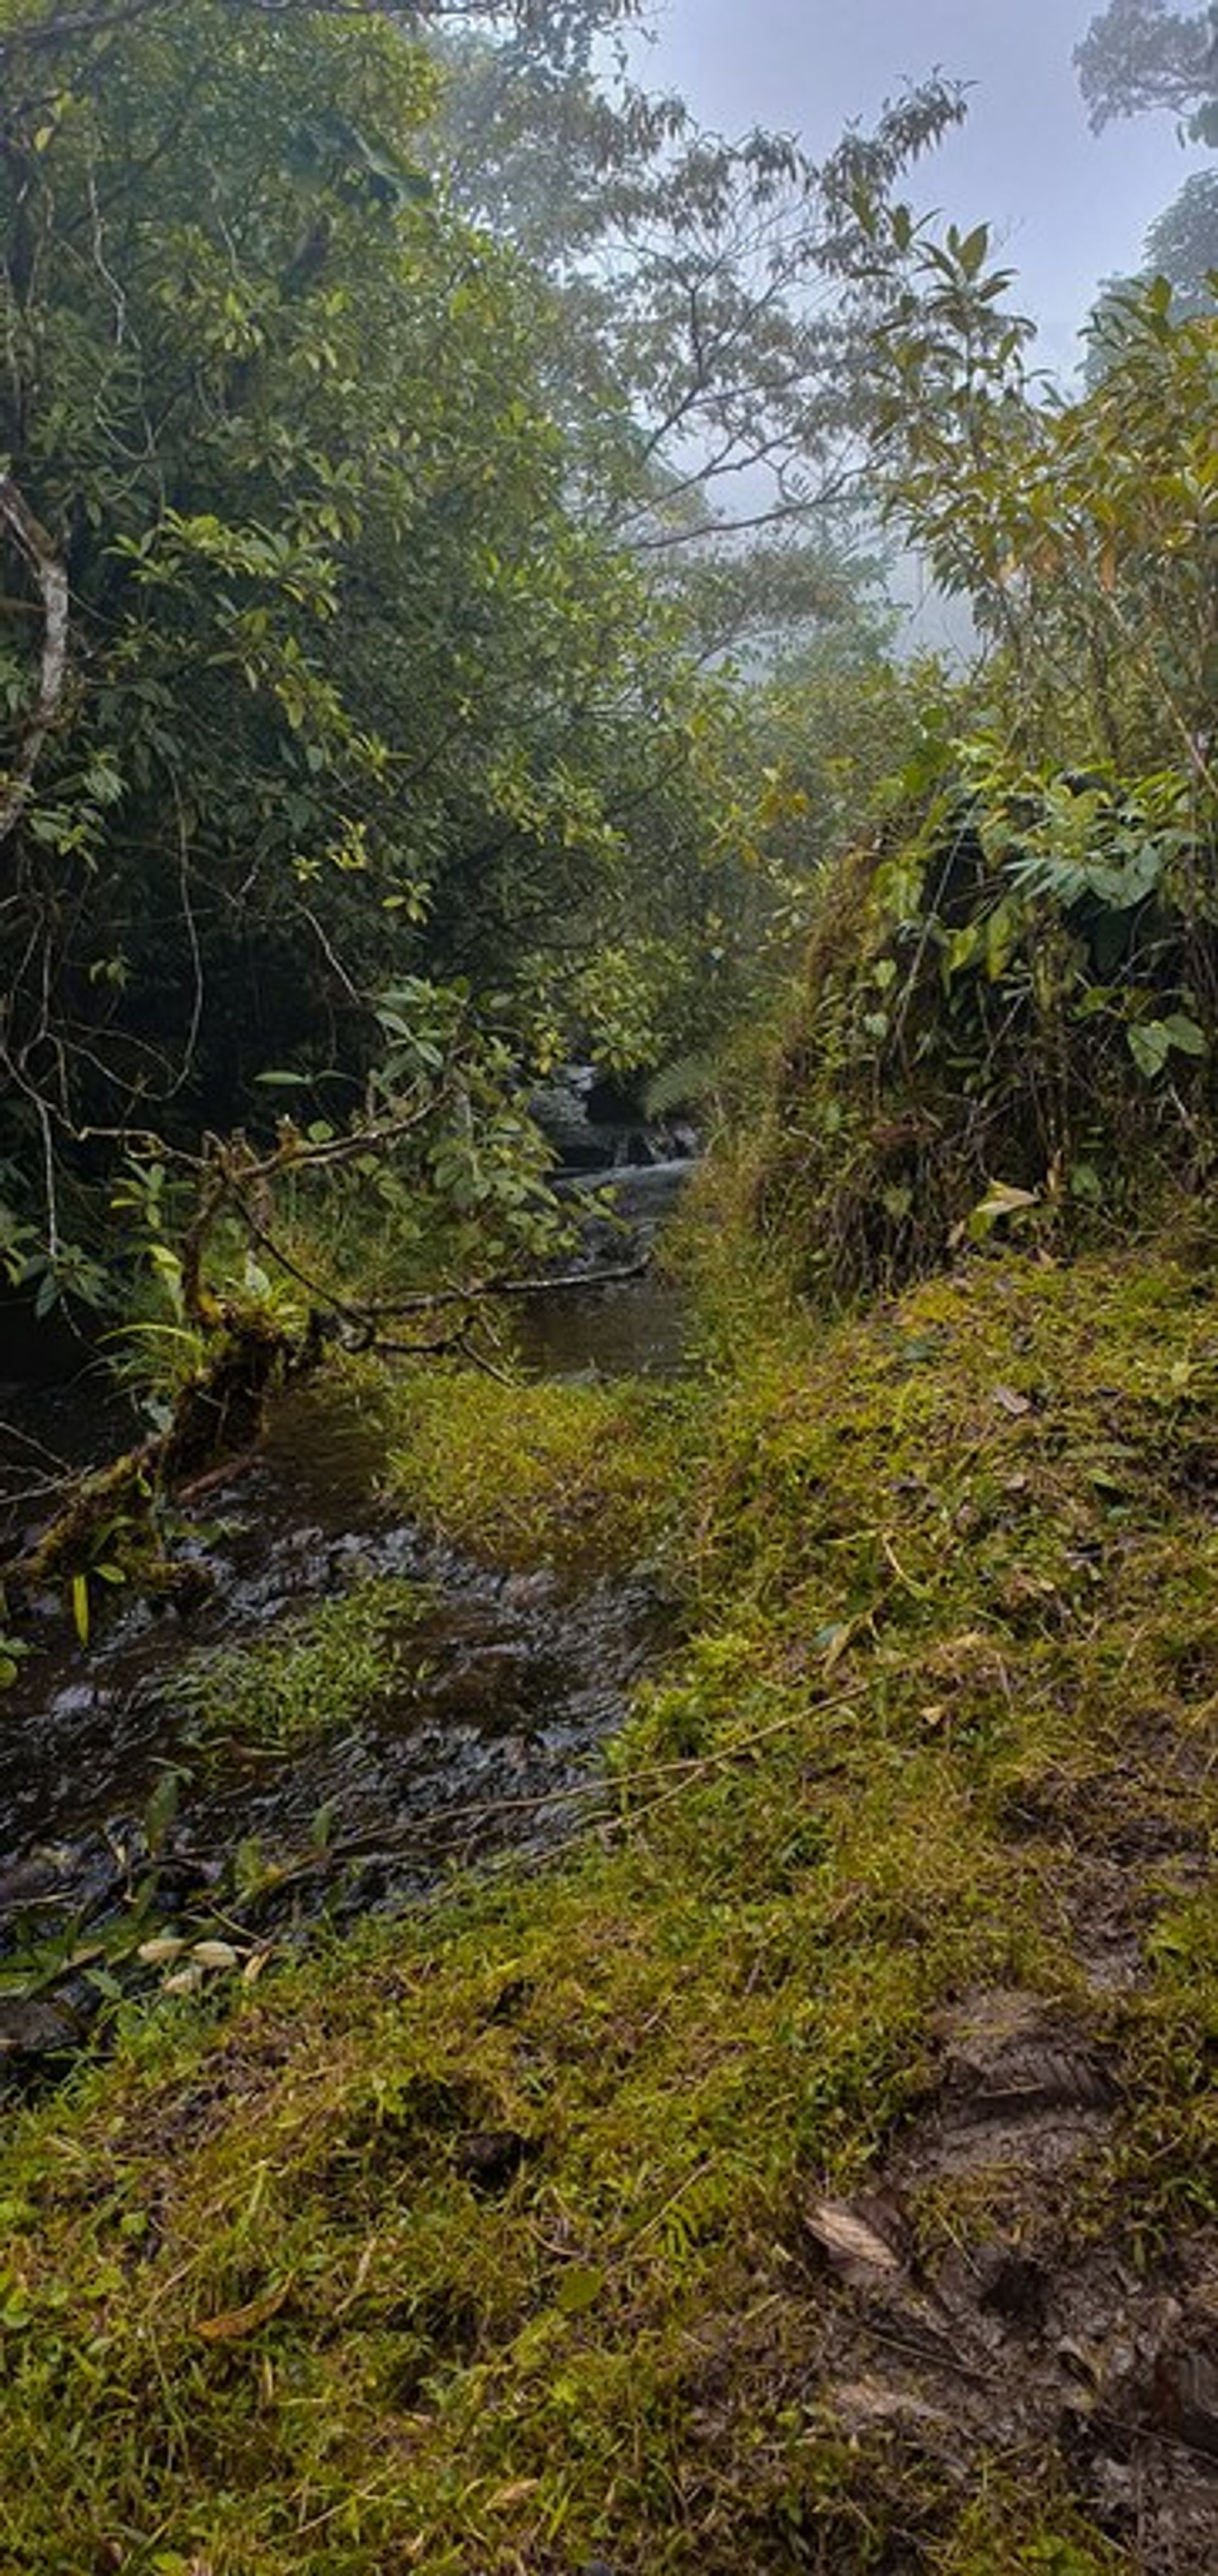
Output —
(318, 1672)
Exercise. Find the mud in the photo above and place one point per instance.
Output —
(1010, 2341)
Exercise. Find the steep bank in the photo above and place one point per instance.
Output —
(815, 2167)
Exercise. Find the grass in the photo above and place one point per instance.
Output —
(320, 1672)
(475, 2245)
(534, 1473)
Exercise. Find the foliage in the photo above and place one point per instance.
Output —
(1081, 531)
(1141, 54)
(1008, 1020)
(350, 697)
(1012, 992)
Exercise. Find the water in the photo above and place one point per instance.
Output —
(489, 1744)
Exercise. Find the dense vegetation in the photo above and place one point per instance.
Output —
(352, 747)
(813, 2165)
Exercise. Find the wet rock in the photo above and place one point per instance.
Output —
(26, 1881)
(34, 2034)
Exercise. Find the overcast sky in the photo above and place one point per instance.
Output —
(1068, 207)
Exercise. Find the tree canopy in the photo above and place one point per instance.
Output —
(314, 678)
(1141, 54)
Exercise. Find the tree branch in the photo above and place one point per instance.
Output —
(32, 541)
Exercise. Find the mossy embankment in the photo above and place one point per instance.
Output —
(813, 2167)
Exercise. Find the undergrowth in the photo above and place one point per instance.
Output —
(317, 1674)
(1004, 1023)
(478, 2244)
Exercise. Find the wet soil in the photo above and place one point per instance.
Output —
(963, 2314)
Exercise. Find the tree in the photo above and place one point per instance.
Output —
(1182, 243)
(1082, 532)
(1182, 248)
(708, 372)
(348, 695)
(559, 31)
(1141, 54)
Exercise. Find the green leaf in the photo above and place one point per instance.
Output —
(1149, 1045)
(161, 1810)
(973, 250)
(1184, 1035)
(1002, 1199)
(579, 2289)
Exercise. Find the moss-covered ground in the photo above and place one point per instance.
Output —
(486, 2244)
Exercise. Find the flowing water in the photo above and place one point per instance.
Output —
(487, 1740)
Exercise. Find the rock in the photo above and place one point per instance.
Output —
(33, 2032)
(489, 2159)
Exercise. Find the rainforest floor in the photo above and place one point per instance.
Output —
(811, 2167)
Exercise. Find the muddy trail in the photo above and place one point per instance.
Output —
(120, 1830)
(962, 2312)
(1009, 2344)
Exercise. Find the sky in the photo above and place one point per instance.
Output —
(1066, 207)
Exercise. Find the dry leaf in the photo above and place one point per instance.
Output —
(839, 1643)
(503, 2497)
(236, 2322)
(854, 2247)
(1011, 1402)
(184, 1981)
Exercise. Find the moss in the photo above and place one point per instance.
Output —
(475, 2243)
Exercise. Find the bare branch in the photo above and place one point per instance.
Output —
(35, 545)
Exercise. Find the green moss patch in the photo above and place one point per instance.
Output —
(526, 1473)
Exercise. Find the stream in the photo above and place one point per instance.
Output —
(117, 1832)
